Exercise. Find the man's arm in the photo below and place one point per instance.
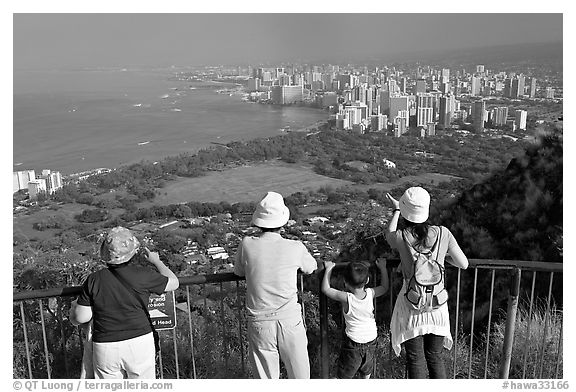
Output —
(331, 293)
(384, 283)
(239, 263)
(308, 262)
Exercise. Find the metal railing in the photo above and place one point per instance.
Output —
(506, 321)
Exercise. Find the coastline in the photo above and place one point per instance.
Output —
(137, 125)
(95, 171)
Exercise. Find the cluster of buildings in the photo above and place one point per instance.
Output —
(48, 182)
(315, 233)
(498, 117)
(393, 99)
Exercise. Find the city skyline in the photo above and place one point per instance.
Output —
(129, 39)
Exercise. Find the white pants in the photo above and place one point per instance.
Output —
(131, 358)
(272, 340)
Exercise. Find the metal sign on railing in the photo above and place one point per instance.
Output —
(162, 309)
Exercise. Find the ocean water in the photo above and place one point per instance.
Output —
(78, 120)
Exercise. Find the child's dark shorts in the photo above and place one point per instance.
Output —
(356, 358)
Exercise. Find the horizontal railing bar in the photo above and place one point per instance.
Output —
(209, 278)
(231, 277)
(524, 265)
(46, 293)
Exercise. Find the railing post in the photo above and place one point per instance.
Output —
(324, 354)
(510, 323)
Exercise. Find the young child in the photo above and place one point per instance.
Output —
(357, 352)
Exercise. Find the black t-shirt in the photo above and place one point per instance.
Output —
(117, 315)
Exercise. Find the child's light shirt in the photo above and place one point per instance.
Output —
(360, 322)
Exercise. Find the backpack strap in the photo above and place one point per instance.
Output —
(437, 242)
(134, 294)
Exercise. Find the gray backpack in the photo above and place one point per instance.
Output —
(426, 289)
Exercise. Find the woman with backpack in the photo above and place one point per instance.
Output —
(420, 320)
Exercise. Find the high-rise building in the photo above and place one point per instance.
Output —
(532, 88)
(361, 108)
(401, 124)
(520, 118)
(348, 79)
(282, 95)
(478, 115)
(298, 79)
(266, 78)
(35, 187)
(424, 109)
(278, 72)
(446, 73)
(549, 93)
(446, 112)
(53, 180)
(517, 87)
(353, 114)
(378, 122)
(284, 80)
(480, 69)
(499, 115)
(403, 85)
(431, 129)
(253, 84)
(359, 92)
(327, 78)
(420, 86)
(521, 84)
(21, 179)
(475, 86)
(397, 103)
(508, 87)
(393, 86)
(445, 88)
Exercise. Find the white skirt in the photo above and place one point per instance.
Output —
(408, 323)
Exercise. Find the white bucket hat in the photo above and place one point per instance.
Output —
(415, 204)
(271, 212)
(119, 246)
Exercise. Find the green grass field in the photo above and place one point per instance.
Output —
(250, 183)
(244, 184)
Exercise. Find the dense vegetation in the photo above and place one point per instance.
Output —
(468, 156)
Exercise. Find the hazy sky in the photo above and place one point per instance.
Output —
(55, 40)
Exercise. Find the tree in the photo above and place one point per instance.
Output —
(92, 216)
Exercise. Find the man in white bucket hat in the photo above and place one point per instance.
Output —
(270, 264)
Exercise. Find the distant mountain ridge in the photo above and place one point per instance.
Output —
(550, 53)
